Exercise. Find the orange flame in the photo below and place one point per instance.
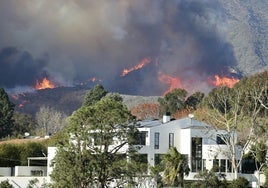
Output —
(15, 97)
(172, 81)
(141, 64)
(44, 84)
(224, 81)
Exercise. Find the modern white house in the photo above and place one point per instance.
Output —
(200, 142)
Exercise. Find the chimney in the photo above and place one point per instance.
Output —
(166, 117)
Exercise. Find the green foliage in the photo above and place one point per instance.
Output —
(6, 113)
(16, 154)
(219, 99)
(32, 149)
(173, 101)
(33, 183)
(240, 182)
(84, 158)
(94, 95)
(5, 184)
(266, 177)
(208, 179)
(23, 123)
(194, 100)
(175, 167)
(9, 155)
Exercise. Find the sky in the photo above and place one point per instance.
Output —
(160, 44)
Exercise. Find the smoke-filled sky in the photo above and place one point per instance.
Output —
(72, 41)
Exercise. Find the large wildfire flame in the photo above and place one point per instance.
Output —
(44, 84)
(173, 82)
(141, 64)
(224, 81)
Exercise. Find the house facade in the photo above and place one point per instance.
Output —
(202, 145)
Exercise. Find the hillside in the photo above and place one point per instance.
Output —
(246, 28)
(65, 99)
(247, 25)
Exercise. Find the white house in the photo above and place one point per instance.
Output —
(201, 143)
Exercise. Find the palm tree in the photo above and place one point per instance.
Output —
(175, 167)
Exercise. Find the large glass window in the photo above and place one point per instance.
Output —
(196, 154)
(204, 165)
(171, 140)
(158, 158)
(156, 140)
(229, 166)
(140, 138)
(216, 166)
(223, 165)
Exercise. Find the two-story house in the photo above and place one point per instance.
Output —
(201, 143)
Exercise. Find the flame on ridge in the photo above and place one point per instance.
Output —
(140, 65)
(44, 84)
(224, 81)
(173, 82)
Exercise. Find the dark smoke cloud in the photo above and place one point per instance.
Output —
(18, 68)
(99, 38)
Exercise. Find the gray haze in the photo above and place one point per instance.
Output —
(71, 41)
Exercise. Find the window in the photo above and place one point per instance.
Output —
(204, 165)
(171, 140)
(158, 158)
(140, 138)
(196, 161)
(222, 139)
(215, 165)
(229, 166)
(222, 165)
(156, 140)
(37, 173)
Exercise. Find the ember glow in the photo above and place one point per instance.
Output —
(173, 82)
(141, 64)
(224, 81)
(44, 84)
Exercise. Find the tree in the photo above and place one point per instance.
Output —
(23, 123)
(94, 95)
(49, 120)
(146, 111)
(92, 153)
(6, 113)
(259, 152)
(9, 155)
(175, 167)
(173, 101)
(193, 100)
(233, 110)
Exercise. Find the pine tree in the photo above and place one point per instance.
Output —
(6, 114)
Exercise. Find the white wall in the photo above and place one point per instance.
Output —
(5, 171)
(51, 152)
(28, 170)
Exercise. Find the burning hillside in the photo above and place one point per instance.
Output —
(124, 45)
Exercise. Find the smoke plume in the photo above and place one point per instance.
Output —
(73, 41)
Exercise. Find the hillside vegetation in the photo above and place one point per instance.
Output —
(247, 26)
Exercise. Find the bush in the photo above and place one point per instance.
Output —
(240, 182)
(5, 184)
